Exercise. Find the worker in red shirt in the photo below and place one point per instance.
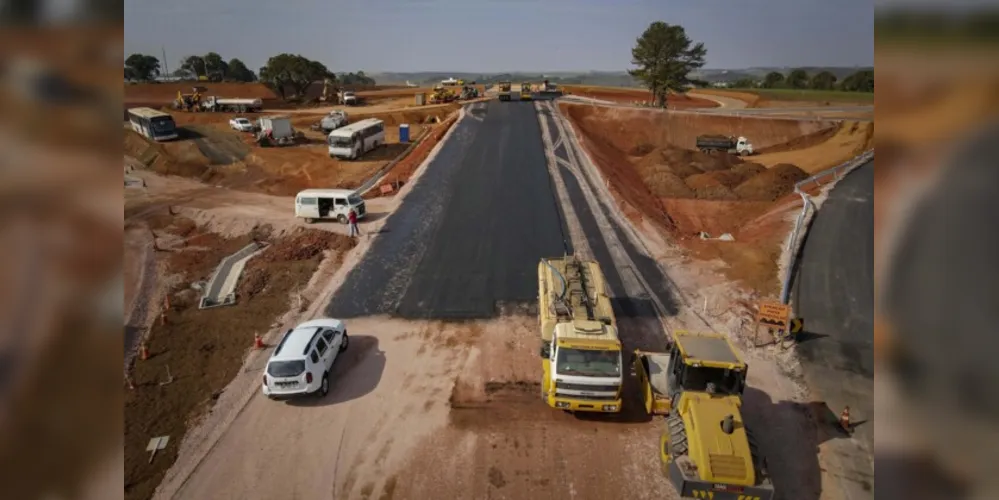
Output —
(352, 222)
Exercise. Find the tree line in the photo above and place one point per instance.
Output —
(665, 57)
(860, 81)
(285, 73)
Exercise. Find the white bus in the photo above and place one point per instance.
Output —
(356, 139)
(152, 124)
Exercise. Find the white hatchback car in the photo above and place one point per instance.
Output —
(241, 124)
(301, 363)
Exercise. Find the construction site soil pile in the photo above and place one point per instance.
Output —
(195, 353)
(648, 158)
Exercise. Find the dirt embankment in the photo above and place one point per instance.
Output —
(195, 353)
(633, 95)
(649, 160)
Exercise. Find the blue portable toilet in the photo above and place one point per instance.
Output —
(404, 133)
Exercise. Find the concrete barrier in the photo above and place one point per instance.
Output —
(221, 289)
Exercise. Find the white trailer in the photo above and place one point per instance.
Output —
(233, 105)
(276, 127)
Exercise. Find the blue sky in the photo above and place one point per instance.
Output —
(500, 35)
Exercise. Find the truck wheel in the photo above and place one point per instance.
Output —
(309, 220)
(677, 436)
(743, 153)
(342, 219)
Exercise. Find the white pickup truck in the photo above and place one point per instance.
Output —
(242, 124)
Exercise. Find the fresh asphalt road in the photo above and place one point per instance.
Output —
(834, 294)
(470, 233)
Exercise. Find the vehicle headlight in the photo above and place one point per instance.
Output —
(610, 407)
(561, 404)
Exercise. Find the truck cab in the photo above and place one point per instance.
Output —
(580, 348)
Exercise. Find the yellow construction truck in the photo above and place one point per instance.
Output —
(580, 348)
(706, 449)
(504, 91)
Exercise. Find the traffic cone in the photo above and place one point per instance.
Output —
(844, 419)
(258, 342)
(143, 352)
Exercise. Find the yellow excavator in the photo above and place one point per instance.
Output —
(189, 102)
(706, 450)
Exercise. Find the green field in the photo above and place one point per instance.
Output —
(811, 95)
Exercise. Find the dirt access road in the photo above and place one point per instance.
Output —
(448, 406)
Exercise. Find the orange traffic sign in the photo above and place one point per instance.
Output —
(773, 314)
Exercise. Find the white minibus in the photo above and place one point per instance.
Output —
(352, 141)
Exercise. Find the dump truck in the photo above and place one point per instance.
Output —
(580, 349)
(735, 145)
(706, 450)
(505, 93)
(525, 91)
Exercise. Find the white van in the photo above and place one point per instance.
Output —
(352, 141)
(315, 204)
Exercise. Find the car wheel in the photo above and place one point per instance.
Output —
(324, 385)
(346, 341)
(342, 219)
(309, 220)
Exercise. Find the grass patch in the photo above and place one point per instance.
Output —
(810, 95)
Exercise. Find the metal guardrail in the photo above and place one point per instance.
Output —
(792, 251)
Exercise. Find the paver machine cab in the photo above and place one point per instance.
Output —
(504, 91)
(706, 449)
(525, 91)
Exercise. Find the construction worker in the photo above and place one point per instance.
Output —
(352, 222)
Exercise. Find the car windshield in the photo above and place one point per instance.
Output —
(723, 381)
(343, 142)
(286, 368)
(588, 363)
(354, 199)
(242, 121)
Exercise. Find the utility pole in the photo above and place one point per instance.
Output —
(166, 68)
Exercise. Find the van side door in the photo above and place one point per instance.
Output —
(307, 206)
(340, 206)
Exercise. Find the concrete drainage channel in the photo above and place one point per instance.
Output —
(221, 289)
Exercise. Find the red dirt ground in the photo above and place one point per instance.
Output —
(278, 171)
(687, 192)
(165, 93)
